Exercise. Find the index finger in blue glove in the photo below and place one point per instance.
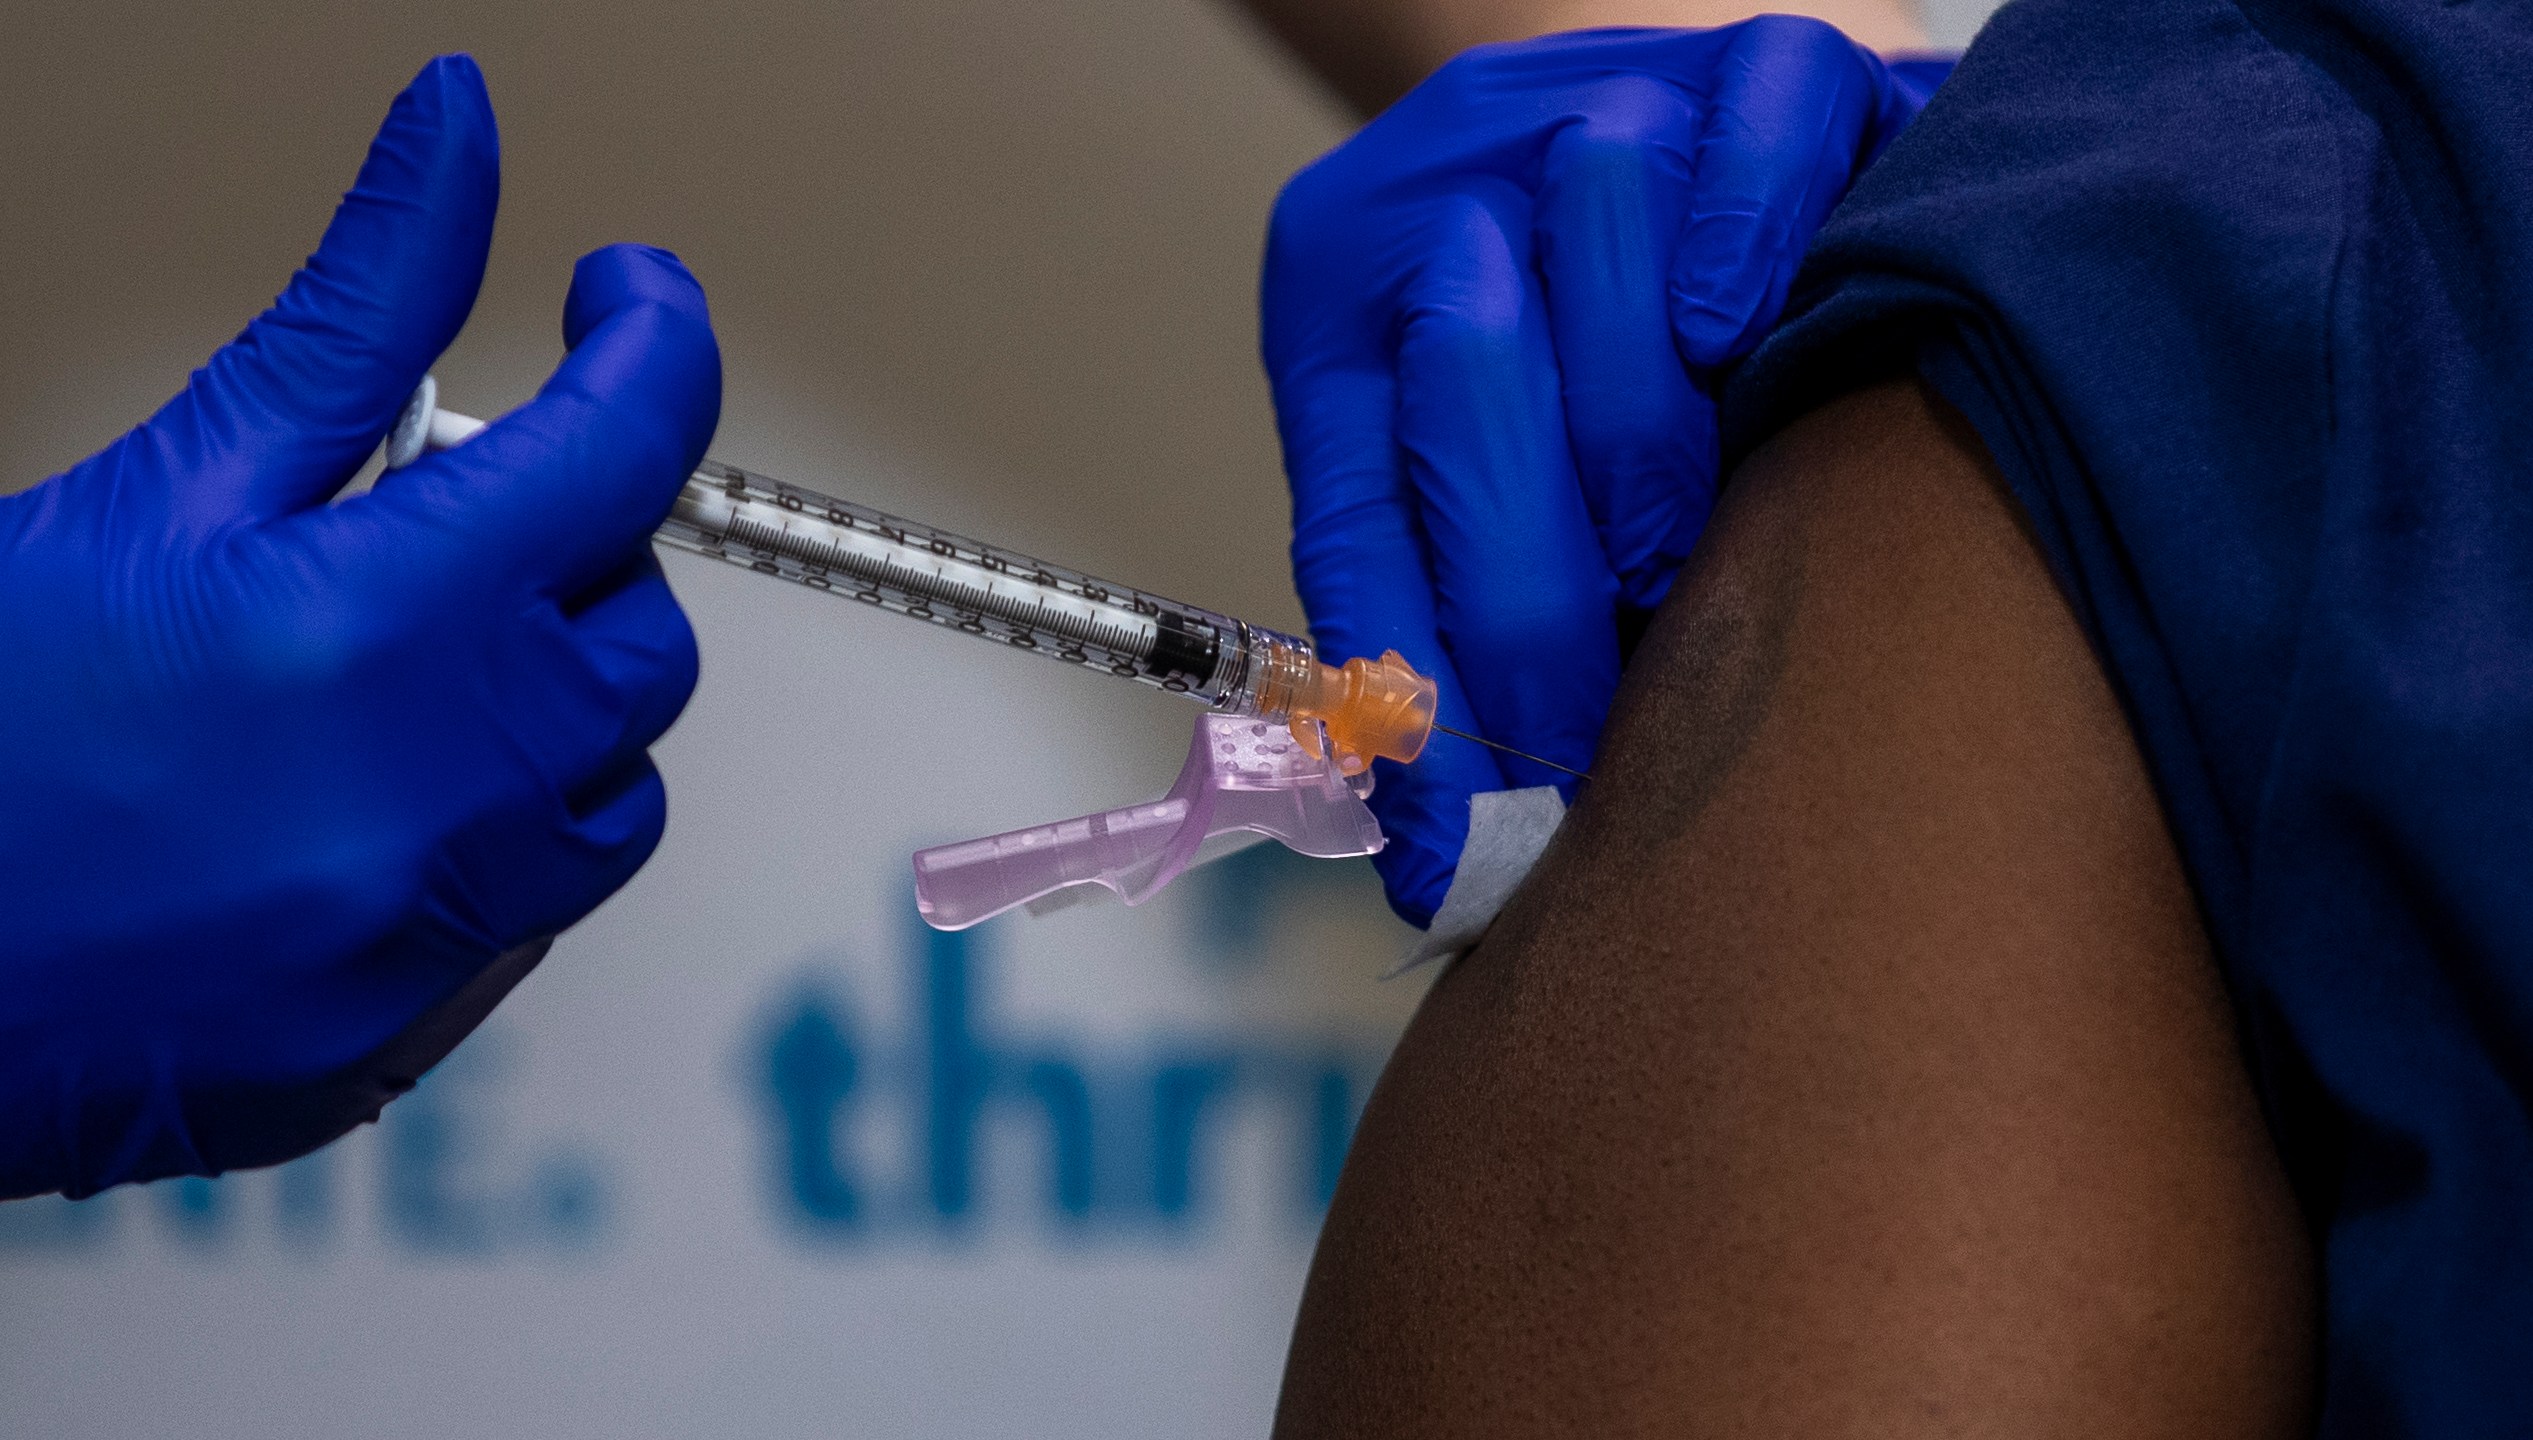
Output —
(1364, 581)
(639, 645)
(1613, 199)
(283, 415)
(1359, 563)
(565, 489)
(1792, 118)
(1363, 577)
(1525, 599)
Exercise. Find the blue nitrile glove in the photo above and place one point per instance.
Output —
(280, 778)
(1492, 321)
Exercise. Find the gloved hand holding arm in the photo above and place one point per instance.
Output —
(282, 774)
(1493, 320)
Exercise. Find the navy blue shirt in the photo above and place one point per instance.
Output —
(2239, 295)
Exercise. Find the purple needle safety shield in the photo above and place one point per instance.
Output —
(1244, 777)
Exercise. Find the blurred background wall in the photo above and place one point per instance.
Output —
(753, 1154)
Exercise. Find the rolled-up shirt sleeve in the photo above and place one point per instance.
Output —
(2239, 299)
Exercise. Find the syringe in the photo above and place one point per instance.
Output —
(1369, 708)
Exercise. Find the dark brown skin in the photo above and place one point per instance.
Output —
(1855, 1063)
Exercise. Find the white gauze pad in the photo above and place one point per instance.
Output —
(1507, 831)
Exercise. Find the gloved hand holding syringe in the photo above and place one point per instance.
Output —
(1335, 719)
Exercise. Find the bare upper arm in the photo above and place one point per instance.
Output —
(1855, 1062)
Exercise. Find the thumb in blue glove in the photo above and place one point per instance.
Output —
(284, 776)
(1492, 321)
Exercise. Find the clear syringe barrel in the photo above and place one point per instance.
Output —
(995, 594)
(1363, 709)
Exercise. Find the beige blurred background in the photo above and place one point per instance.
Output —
(1013, 244)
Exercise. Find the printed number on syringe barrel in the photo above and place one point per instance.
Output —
(830, 544)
